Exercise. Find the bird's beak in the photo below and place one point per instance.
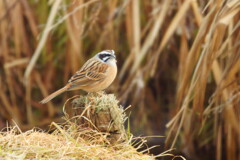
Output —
(113, 56)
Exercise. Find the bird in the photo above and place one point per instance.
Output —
(94, 76)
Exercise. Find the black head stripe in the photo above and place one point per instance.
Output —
(104, 57)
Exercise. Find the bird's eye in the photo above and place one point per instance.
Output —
(100, 56)
(103, 56)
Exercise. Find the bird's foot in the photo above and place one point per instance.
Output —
(100, 93)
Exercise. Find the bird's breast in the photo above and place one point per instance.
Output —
(111, 73)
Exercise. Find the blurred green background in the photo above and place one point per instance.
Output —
(178, 61)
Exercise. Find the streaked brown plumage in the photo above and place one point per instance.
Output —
(95, 75)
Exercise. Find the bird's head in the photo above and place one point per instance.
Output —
(107, 56)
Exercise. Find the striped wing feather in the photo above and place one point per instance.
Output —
(92, 72)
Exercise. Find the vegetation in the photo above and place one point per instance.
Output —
(70, 140)
(64, 143)
(179, 61)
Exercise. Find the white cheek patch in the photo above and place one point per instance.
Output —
(111, 62)
(105, 59)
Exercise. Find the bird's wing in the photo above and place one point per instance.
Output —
(91, 72)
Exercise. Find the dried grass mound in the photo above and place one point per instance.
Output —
(63, 144)
(100, 112)
(72, 140)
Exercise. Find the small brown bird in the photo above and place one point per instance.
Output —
(95, 75)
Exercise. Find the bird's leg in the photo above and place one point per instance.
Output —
(101, 93)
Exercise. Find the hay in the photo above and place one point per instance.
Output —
(72, 140)
(63, 144)
(100, 112)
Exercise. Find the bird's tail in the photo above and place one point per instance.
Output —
(53, 95)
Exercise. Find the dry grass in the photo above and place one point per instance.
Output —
(107, 104)
(72, 140)
(68, 142)
(213, 58)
